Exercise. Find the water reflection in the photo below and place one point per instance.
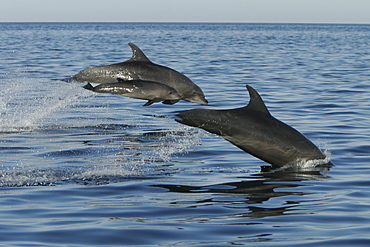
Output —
(255, 189)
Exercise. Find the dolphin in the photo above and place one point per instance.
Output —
(253, 129)
(139, 67)
(138, 89)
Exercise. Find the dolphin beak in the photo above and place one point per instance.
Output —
(178, 118)
(187, 118)
(204, 102)
(177, 96)
(199, 99)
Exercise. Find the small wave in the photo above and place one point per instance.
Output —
(25, 176)
(114, 156)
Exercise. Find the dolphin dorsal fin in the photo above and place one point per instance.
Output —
(256, 103)
(137, 54)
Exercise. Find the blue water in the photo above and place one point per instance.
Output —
(84, 169)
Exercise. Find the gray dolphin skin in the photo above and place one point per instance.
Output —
(138, 89)
(139, 67)
(253, 129)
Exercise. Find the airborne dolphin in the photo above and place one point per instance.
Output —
(253, 129)
(151, 91)
(139, 67)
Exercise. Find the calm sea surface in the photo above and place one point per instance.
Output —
(84, 169)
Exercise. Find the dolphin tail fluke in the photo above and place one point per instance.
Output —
(170, 102)
(70, 79)
(148, 103)
(88, 86)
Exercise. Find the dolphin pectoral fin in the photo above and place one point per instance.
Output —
(137, 54)
(149, 102)
(170, 102)
(88, 86)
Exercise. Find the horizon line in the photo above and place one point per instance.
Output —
(191, 22)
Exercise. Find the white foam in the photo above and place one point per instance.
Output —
(24, 105)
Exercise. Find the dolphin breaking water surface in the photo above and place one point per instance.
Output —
(253, 129)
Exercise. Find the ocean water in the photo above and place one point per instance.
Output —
(84, 169)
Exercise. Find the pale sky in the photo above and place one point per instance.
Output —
(264, 11)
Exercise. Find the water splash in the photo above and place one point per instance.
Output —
(51, 147)
(24, 105)
(103, 162)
